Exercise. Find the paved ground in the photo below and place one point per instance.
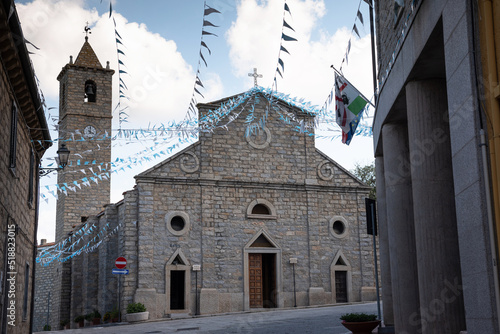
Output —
(318, 320)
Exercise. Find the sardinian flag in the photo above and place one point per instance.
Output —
(349, 103)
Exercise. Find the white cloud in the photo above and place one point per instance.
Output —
(254, 42)
(160, 82)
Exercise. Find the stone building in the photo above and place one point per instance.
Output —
(221, 226)
(24, 137)
(231, 222)
(437, 245)
(85, 114)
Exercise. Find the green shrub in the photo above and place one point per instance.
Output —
(358, 317)
(107, 316)
(135, 308)
(115, 313)
(89, 316)
(79, 318)
(64, 322)
(97, 314)
(46, 328)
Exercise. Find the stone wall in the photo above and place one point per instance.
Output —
(44, 286)
(215, 181)
(18, 212)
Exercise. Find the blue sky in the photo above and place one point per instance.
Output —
(162, 42)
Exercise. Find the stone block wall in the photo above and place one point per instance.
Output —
(18, 220)
(389, 27)
(75, 115)
(45, 287)
(215, 181)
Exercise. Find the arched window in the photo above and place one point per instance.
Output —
(90, 91)
(261, 209)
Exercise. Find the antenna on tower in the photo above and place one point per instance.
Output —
(87, 31)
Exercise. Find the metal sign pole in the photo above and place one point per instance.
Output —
(119, 299)
(375, 258)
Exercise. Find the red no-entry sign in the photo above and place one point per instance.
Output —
(121, 262)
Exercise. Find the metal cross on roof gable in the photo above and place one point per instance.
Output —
(255, 76)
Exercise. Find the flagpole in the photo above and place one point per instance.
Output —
(369, 101)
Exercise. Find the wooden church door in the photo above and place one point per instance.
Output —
(255, 280)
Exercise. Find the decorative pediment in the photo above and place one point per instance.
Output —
(340, 260)
(261, 239)
(178, 258)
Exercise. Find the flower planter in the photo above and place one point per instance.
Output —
(141, 316)
(361, 327)
(96, 321)
(80, 324)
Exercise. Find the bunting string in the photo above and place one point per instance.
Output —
(198, 85)
(90, 173)
(122, 105)
(284, 38)
(354, 30)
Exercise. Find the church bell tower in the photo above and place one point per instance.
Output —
(85, 114)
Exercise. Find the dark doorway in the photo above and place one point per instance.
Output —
(269, 280)
(341, 286)
(262, 280)
(177, 283)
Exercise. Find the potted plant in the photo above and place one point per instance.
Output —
(79, 320)
(114, 314)
(96, 317)
(136, 312)
(107, 317)
(46, 328)
(64, 324)
(360, 323)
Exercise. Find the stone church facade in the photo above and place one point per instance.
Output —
(230, 223)
(233, 222)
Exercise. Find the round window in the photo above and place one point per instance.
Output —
(339, 227)
(177, 223)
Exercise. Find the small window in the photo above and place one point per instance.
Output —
(26, 290)
(31, 178)
(339, 228)
(177, 222)
(63, 95)
(13, 137)
(90, 91)
(260, 209)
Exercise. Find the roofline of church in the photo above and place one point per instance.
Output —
(216, 104)
(342, 168)
(142, 176)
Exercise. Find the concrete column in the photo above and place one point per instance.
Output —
(438, 257)
(400, 228)
(383, 239)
